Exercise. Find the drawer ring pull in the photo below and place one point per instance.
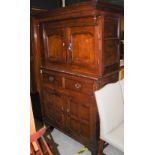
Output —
(51, 78)
(77, 85)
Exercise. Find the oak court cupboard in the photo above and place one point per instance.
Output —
(79, 48)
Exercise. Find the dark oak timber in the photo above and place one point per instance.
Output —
(35, 58)
(79, 48)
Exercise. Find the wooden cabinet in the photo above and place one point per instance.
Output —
(80, 54)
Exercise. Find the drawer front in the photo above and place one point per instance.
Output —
(79, 86)
(52, 80)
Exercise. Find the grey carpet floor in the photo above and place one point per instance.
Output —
(68, 146)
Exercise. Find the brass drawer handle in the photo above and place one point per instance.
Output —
(51, 78)
(77, 85)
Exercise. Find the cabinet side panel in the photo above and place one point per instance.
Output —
(111, 43)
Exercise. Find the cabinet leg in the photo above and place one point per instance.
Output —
(49, 128)
(50, 140)
(102, 146)
(94, 151)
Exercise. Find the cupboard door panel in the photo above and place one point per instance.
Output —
(82, 46)
(54, 45)
(74, 126)
(54, 52)
(54, 107)
(85, 130)
(79, 116)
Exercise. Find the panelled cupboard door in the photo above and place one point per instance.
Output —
(78, 117)
(54, 45)
(82, 49)
(54, 107)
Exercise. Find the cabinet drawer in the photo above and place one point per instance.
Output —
(52, 80)
(79, 86)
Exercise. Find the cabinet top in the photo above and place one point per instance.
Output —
(80, 9)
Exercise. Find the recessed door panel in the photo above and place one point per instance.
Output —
(79, 116)
(54, 45)
(82, 46)
(54, 107)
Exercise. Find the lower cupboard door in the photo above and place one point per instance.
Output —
(78, 118)
(54, 107)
